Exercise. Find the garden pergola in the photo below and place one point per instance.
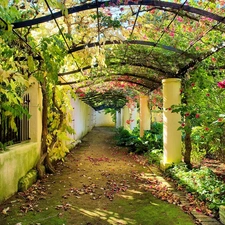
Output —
(108, 50)
(141, 42)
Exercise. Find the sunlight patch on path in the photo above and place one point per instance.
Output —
(111, 217)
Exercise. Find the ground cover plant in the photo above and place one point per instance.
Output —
(202, 183)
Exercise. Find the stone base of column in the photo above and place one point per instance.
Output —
(166, 165)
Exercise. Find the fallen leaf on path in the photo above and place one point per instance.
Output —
(5, 211)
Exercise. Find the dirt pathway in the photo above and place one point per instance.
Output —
(98, 184)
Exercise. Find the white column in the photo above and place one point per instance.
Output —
(133, 117)
(118, 118)
(145, 116)
(126, 117)
(171, 134)
(35, 110)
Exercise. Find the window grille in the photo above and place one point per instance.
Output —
(7, 134)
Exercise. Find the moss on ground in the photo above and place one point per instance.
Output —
(97, 166)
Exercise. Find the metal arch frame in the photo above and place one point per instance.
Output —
(93, 98)
(89, 6)
(149, 88)
(133, 42)
(91, 45)
(108, 93)
(148, 79)
(121, 63)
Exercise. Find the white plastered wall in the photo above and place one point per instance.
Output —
(83, 119)
(103, 119)
(20, 158)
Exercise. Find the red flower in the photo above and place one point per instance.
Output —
(82, 95)
(213, 59)
(207, 129)
(193, 84)
(221, 84)
(207, 94)
(197, 116)
(220, 119)
(187, 114)
(183, 124)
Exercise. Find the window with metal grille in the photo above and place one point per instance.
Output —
(7, 134)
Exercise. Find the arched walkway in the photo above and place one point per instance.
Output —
(99, 183)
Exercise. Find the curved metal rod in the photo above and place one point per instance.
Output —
(94, 5)
(119, 74)
(121, 63)
(133, 42)
(150, 88)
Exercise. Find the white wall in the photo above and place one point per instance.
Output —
(103, 119)
(14, 164)
(20, 158)
(83, 117)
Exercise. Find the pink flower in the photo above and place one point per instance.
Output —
(145, 37)
(172, 34)
(221, 84)
(180, 19)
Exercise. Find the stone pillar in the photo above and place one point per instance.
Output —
(126, 117)
(145, 116)
(35, 110)
(118, 118)
(171, 134)
(122, 119)
(133, 116)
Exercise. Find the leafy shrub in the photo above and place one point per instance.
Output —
(123, 137)
(203, 182)
(152, 139)
(154, 156)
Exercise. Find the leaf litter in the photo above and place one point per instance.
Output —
(81, 181)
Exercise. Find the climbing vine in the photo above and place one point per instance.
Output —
(113, 47)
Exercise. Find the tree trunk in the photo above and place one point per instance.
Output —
(44, 158)
(188, 147)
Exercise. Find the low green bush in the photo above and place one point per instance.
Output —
(207, 186)
(154, 156)
(152, 139)
(124, 137)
